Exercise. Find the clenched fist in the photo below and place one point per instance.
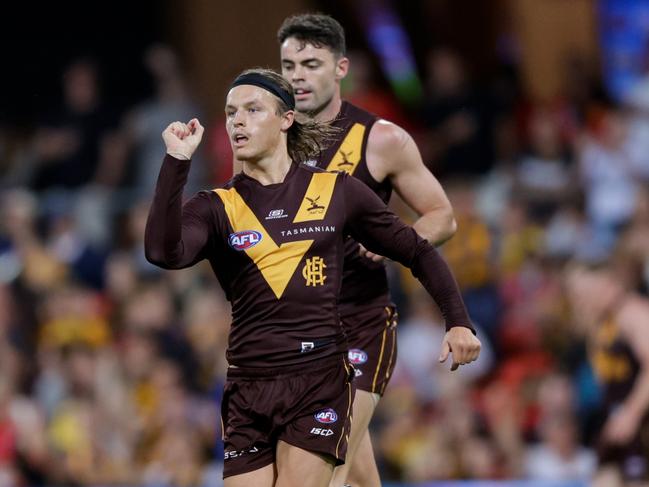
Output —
(182, 139)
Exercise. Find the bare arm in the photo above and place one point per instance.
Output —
(392, 153)
(370, 222)
(633, 320)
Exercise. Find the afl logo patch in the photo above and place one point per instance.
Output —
(357, 356)
(326, 416)
(244, 240)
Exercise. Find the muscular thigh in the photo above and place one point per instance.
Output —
(297, 467)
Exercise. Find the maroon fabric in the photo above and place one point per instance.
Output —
(308, 406)
(303, 323)
(372, 351)
(365, 283)
(617, 368)
(631, 458)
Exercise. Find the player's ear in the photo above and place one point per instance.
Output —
(287, 120)
(342, 67)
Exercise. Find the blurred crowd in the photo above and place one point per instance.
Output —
(111, 369)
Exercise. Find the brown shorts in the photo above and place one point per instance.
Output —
(630, 459)
(308, 406)
(372, 336)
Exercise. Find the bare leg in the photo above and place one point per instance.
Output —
(364, 472)
(300, 468)
(367, 474)
(262, 477)
(607, 477)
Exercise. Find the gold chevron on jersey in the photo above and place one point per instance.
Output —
(276, 263)
(349, 153)
(317, 197)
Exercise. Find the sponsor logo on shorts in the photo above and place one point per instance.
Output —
(239, 453)
(244, 240)
(321, 431)
(357, 356)
(326, 416)
(358, 372)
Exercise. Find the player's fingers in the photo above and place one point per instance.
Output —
(454, 366)
(196, 128)
(446, 349)
(186, 130)
(475, 354)
(176, 129)
(459, 352)
(476, 346)
(199, 127)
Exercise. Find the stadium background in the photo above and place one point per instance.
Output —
(533, 114)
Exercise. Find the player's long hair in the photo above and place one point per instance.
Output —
(305, 139)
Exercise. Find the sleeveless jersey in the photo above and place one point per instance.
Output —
(365, 283)
(614, 363)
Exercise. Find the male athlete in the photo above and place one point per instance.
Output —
(384, 157)
(615, 322)
(274, 236)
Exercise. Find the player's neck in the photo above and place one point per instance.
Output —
(269, 170)
(330, 111)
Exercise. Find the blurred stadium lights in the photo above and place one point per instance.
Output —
(388, 39)
(624, 38)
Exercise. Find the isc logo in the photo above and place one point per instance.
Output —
(244, 240)
(326, 416)
(357, 356)
(321, 431)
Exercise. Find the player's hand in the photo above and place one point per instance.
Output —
(462, 344)
(369, 255)
(621, 426)
(182, 139)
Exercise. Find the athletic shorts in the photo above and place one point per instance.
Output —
(632, 459)
(372, 336)
(308, 406)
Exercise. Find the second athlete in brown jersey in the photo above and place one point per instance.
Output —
(383, 156)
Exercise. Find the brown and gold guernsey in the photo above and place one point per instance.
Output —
(278, 250)
(365, 283)
(613, 362)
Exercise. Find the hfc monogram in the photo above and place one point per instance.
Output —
(313, 271)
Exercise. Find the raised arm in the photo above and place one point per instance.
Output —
(370, 222)
(176, 235)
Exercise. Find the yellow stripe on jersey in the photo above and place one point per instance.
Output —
(317, 197)
(349, 152)
(276, 263)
